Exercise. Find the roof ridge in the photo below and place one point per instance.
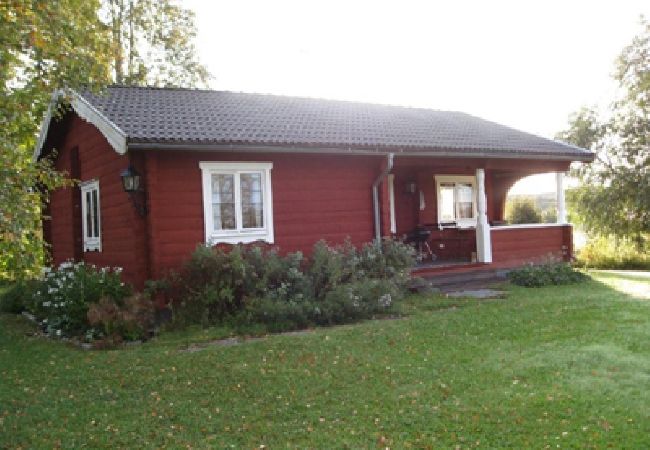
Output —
(269, 94)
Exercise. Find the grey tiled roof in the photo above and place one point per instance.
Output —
(187, 117)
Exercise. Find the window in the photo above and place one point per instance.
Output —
(456, 199)
(237, 202)
(91, 216)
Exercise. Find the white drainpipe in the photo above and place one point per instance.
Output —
(375, 196)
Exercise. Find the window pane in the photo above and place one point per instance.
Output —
(465, 198)
(446, 203)
(95, 215)
(89, 220)
(223, 201)
(251, 200)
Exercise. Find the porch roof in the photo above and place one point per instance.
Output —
(185, 119)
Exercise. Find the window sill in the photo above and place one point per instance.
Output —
(240, 238)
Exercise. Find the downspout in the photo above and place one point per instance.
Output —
(375, 196)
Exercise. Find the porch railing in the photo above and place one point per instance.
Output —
(531, 243)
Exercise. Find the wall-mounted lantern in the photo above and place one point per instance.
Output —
(131, 184)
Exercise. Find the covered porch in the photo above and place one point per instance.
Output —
(457, 206)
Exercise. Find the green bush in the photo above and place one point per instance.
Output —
(17, 296)
(346, 303)
(130, 319)
(612, 253)
(62, 296)
(522, 210)
(257, 285)
(545, 275)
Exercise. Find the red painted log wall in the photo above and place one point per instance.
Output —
(122, 229)
(531, 244)
(314, 197)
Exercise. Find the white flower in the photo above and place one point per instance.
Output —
(58, 332)
(46, 304)
(385, 300)
(65, 265)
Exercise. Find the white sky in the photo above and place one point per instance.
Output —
(520, 63)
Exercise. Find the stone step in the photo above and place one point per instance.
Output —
(446, 280)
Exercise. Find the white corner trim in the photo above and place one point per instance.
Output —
(113, 134)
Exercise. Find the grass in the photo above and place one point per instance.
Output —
(561, 366)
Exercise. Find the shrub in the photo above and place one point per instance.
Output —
(522, 210)
(546, 274)
(130, 319)
(612, 253)
(257, 285)
(63, 296)
(17, 296)
(346, 303)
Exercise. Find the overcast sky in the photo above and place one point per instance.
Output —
(520, 63)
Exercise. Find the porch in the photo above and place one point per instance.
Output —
(460, 205)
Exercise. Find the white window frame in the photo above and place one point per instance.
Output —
(464, 179)
(239, 234)
(91, 244)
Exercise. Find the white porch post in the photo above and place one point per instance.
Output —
(483, 239)
(561, 206)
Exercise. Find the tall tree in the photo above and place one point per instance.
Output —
(153, 43)
(615, 195)
(44, 45)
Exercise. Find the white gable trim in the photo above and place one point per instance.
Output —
(113, 134)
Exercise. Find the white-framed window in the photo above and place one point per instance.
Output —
(456, 200)
(237, 201)
(91, 216)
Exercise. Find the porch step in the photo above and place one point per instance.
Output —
(469, 277)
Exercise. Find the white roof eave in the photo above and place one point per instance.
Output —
(113, 134)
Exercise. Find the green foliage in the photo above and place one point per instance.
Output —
(48, 45)
(615, 196)
(45, 45)
(152, 43)
(549, 216)
(253, 285)
(522, 210)
(348, 302)
(129, 319)
(552, 273)
(63, 296)
(614, 253)
(15, 298)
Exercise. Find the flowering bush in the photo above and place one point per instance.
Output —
(63, 295)
(337, 284)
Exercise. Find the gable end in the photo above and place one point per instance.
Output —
(113, 134)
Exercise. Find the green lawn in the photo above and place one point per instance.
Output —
(564, 366)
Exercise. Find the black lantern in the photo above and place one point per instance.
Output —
(131, 185)
(130, 179)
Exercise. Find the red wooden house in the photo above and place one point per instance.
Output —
(233, 167)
